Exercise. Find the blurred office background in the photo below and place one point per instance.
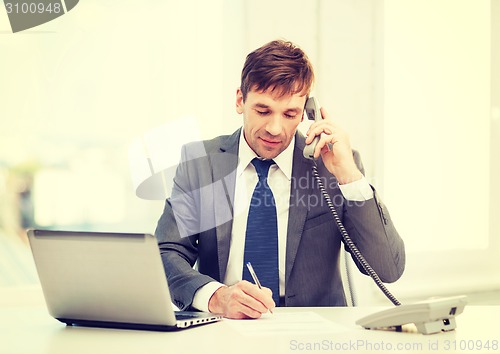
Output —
(415, 82)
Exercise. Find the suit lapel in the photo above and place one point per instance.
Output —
(301, 183)
(224, 164)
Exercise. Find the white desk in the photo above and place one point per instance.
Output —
(26, 327)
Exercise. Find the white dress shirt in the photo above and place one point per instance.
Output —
(279, 180)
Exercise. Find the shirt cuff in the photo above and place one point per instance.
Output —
(357, 191)
(203, 295)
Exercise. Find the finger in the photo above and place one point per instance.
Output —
(270, 304)
(253, 297)
(237, 305)
(323, 144)
(324, 113)
(260, 299)
(328, 141)
(241, 312)
(318, 128)
(324, 152)
(317, 131)
(246, 312)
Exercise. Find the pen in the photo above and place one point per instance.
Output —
(254, 277)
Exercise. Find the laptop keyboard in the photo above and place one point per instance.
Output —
(186, 315)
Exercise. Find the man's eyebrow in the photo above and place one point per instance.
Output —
(293, 109)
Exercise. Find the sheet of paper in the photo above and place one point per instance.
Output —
(286, 324)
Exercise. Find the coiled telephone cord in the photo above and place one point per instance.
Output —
(348, 241)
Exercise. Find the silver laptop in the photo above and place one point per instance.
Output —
(112, 280)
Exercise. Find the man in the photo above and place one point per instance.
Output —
(206, 230)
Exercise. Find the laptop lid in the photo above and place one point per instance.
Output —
(105, 279)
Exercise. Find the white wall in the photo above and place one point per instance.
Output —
(107, 73)
(495, 125)
(346, 81)
(437, 121)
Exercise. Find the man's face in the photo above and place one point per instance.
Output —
(269, 122)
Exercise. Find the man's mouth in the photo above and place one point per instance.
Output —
(271, 142)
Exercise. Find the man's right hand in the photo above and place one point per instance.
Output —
(241, 300)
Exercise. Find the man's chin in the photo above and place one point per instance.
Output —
(268, 153)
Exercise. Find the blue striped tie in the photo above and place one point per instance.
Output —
(261, 241)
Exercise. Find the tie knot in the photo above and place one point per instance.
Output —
(262, 167)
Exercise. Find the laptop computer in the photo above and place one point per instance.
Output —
(113, 280)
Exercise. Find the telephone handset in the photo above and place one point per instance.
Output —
(423, 314)
(313, 112)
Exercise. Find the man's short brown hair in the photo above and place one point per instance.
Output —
(279, 66)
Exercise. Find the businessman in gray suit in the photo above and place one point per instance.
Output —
(203, 232)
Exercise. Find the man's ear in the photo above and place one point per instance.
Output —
(239, 101)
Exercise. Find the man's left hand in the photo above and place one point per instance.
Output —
(335, 149)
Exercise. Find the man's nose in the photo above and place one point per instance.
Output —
(274, 125)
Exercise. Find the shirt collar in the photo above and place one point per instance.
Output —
(283, 160)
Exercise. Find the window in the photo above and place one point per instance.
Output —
(438, 152)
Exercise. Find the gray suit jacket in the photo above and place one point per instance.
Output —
(194, 230)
